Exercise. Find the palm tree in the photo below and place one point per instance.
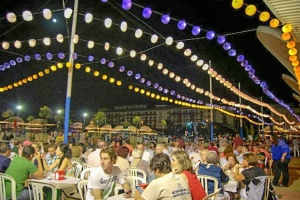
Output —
(136, 121)
(7, 114)
(163, 124)
(99, 118)
(29, 119)
(45, 112)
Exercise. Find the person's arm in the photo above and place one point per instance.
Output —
(64, 164)
(50, 167)
(137, 195)
(127, 190)
(239, 176)
(283, 156)
(39, 174)
(97, 194)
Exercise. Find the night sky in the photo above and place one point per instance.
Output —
(91, 93)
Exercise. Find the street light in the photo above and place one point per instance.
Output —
(58, 118)
(19, 107)
(84, 116)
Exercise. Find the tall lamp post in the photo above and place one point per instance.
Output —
(58, 118)
(84, 116)
(19, 107)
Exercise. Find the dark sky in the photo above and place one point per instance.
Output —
(91, 93)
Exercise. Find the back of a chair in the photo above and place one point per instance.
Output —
(85, 165)
(268, 182)
(77, 168)
(37, 189)
(204, 179)
(85, 174)
(6, 178)
(212, 196)
(132, 171)
(134, 181)
(82, 188)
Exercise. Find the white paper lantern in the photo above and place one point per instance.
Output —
(27, 15)
(5, 45)
(47, 41)
(11, 17)
(169, 41)
(18, 44)
(32, 42)
(91, 44)
(88, 18)
(119, 50)
(150, 63)
(123, 26)
(165, 71)
(138, 33)
(194, 58)
(171, 74)
(106, 46)
(187, 52)
(107, 22)
(75, 39)
(200, 63)
(68, 12)
(154, 38)
(205, 67)
(160, 66)
(132, 53)
(177, 78)
(143, 57)
(60, 38)
(47, 13)
(180, 45)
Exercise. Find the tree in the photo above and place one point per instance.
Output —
(126, 123)
(163, 124)
(136, 121)
(45, 112)
(30, 118)
(7, 114)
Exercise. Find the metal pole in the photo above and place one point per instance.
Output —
(70, 74)
(262, 126)
(241, 120)
(211, 110)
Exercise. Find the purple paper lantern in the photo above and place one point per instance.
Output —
(142, 80)
(248, 68)
(160, 88)
(129, 73)
(148, 83)
(38, 56)
(19, 60)
(165, 19)
(252, 71)
(61, 56)
(172, 92)
(27, 58)
(104, 1)
(240, 58)
(137, 76)
(122, 68)
(147, 12)
(181, 25)
(199, 102)
(210, 35)
(251, 75)
(263, 84)
(91, 58)
(49, 56)
(257, 82)
(2, 68)
(103, 61)
(178, 96)
(244, 63)
(111, 64)
(196, 30)
(126, 4)
(232, 52)
(182, 97)
(75, 56)
(6, 65)
(156, 85)
(12, 63)
(226, 46)
(166, 91)
(221, 39)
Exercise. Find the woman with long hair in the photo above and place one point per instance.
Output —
(182, 164)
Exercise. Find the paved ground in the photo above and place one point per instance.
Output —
(293, 191)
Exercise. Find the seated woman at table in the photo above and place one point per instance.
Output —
(181, 164)
(229, 168)
(64, 161)
(251, 171)
(137, 162)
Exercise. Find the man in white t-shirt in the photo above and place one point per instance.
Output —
(102, 181)
(146, 154)
(166, 186)
(94, 157)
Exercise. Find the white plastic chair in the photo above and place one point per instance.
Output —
(204, 179)
(4, 178)
(82, 188)
(132, 171)
(212, 196)
(85, 165)
(134, 181)
(37, 190)
(77, 168)
(85, 174)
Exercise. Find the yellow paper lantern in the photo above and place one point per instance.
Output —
(136, 89)
(24, 80)
(6, 88)
(77, 66)
(291, 44)
(68, 64)
(53, 68)
(237, 4)
(264, 16)
(41, 74)
(20, 82)
(16, 85)
(295, 63)
(87, 69)
(119, 83)
(111, 80)
(274, 23)
(250, 10)
(104, 77)
(286, 36)
(293, 51)
(47, 71)
(96, 73)
(293, 58)
(60, 65)
(287, 28)
(130, 87)
(35, 76)
(1, 89)
(10, 87)
(29, 78)
(297, 69)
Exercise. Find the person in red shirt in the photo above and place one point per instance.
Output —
(212, 147)
(237, 141)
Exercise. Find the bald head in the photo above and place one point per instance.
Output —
(101, 144)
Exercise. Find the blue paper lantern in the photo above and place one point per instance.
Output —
(166, 91)
(12, 63)
(61, 56)
(155, 85)
(2, 68)
(178, 96)
(147, 12)
(160, 88)
(251, 75)
(232, 52)
(129, 73)
(196, 30)
(210, 35)
(49, 56)
(111, 64)
(172, 92)
(244, 63)
(19, 60)
(148, 83)
(221, 39)
(38, 56)
(226, 46)
(6, 65)
(252, 71)
(240, 58)
(248, 68)
(263, 84)
(165, 19)
(137, 76)
(181, 25)
(104, 1)
(90, 58)
(142, 80)
(27, 58)
(126, 4)
(103, 61)
(122, 68)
